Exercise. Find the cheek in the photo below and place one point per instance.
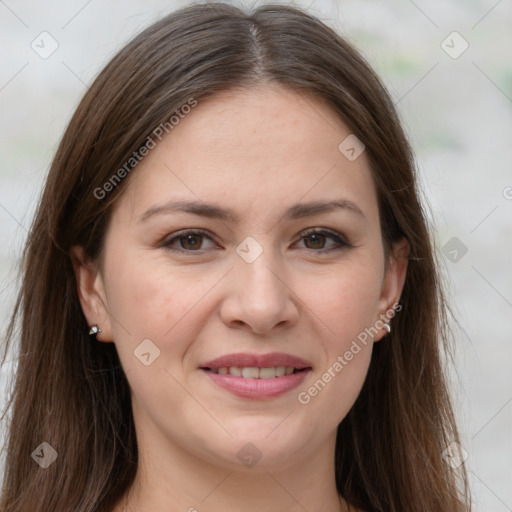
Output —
(347, 306)
(149, 299)
(147, 296)
(346, 301)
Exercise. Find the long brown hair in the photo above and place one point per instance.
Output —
(71, 392)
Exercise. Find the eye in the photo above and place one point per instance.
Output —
(316, 239)
(189, 240)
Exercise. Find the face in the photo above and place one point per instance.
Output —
(271, 283)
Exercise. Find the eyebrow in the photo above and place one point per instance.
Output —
(214, 211)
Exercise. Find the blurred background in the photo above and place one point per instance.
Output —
(448, 68)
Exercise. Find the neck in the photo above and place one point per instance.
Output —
(178, 481)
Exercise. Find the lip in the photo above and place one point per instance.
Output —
(246, 359)
(257, 388)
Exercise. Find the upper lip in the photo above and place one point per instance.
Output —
(246, 359)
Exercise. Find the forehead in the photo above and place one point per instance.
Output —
(255, 151)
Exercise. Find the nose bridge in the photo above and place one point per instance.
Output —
(259, 298)
(257, 267)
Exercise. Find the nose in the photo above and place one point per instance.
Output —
(259, 299)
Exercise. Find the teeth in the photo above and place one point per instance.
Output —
(267, 373)
(236, 371)
(280, 370)
(251, 372)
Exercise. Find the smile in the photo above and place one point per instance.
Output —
(253, 372)
(257, 376)
(257, 387)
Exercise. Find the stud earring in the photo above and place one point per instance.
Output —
(95, 329)
(387, 327)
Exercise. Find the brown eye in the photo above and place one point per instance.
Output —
(191, 242)
(317, 240)
(186, 241)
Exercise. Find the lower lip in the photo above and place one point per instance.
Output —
(257, 388)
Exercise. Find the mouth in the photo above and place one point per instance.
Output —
(253, 372)
(257, 376)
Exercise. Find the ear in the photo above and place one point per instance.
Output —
(91, 293)
(392, 285)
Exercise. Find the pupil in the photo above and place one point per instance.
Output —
(316, 238)
(191, 238)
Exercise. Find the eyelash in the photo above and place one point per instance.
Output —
(343, 244)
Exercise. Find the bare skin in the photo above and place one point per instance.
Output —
(258, 152)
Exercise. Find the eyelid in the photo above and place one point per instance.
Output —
(326, 231)
(168, 240)
(341, 240)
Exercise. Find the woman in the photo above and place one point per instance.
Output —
(230, 299)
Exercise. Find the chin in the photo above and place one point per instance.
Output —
(262, 451)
